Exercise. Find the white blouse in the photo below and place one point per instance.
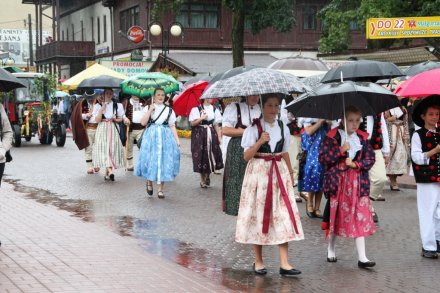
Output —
(108, 114)
(250, 136)
(353, 140)
(213, 114)
(94, 107)
(138, 111)
(157, 110)
(230, 118)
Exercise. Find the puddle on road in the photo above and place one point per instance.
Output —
(185, 254)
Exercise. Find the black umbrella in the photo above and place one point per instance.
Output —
(232, 72)
(329, 100)
(363, 70)
(9, 82)
(196, 79)
(100, 82)
(421, 67)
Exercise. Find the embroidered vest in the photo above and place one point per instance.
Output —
(129, 111)
(428, 173)
(239, 122)
(85, 108)
(265, 148)
(294, 128)
(376, 140)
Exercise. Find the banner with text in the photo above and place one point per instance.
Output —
(128, 68)
(403, 27)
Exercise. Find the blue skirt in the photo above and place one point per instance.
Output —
(159, 156)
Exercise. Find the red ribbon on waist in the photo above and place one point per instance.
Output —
(269, 193)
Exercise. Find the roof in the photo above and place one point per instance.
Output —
(406, 56)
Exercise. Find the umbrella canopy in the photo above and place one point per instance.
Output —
(421, 67)
(60, 94)
(189, 98)
(313, 81)
(93, 71)
(12, 69)
(257, 81)
(101, 82)
(363, 70)
(299, 63)
(196, 79)
(9, 82)
(330, 100)
(231, 72)
(421, 85)
(143, 85)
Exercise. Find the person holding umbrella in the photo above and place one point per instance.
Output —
(108, 151)
(236, 118)
(205, 140)
(268, 214)
(347, 156)
(425, 154)
(159, 156)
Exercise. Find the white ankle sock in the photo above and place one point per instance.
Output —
(360, 246)
(331, 246)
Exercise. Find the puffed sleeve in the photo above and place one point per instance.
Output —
(417, 154)
(250, 137)
(172, 120)
(230, 116)
(120, 112)
(287, 138)
(96, 109)
(217, 116)
(194, 114)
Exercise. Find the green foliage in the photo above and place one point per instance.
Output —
(46, 85)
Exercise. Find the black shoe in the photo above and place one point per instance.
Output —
(150, 189)
(291, 272)
(368, 264)
(208, 181)
(112, 177)
(261, 272)
(375, 218)
(429, 253)
(332, 259)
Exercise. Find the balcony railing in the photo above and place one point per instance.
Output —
(66, 49)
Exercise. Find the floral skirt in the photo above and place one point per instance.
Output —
(159, 156)
(281, 228)
(205, 149)
(350, 214)
(107, 149)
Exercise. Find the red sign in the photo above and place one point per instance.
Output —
(136, 34)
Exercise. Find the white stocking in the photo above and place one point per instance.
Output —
(331, 246)
(360, 246)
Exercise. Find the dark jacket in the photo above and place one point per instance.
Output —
(79, 131)
(331, 154)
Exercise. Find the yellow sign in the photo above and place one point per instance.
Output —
(403, 27)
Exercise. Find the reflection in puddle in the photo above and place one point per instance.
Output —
(185, 254)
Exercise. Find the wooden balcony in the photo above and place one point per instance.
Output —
(65, 50)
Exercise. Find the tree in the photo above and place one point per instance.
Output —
(338, 15)
(259, 14)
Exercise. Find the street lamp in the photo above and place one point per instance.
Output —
(156, 29)
(8, 62)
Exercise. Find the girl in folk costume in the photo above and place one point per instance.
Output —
(425, 154)
(268, 214)
(108, 151)
(236, 118)
(347, 157)
(159, 156)
(87, 109)
(397, 124)
(205, 140)
(310, 178)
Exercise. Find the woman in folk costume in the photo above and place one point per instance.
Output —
(205, 140)
(159, 156)
(108, 152)
(397, 124)
(268, 214)
(347, 157)
(425, 154)
(311, 175)
(236, 118)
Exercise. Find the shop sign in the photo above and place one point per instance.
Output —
(136, 34)
(128, 68)
(403, 27)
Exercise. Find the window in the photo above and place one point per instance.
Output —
(73, 32)
(93, 29)
(129, 18)
(105, 27)
(98, 23)
(309, 17)
(82, 31)
(198, 15)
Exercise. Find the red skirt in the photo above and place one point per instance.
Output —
(350, 214)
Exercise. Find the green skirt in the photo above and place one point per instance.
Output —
(233, 176)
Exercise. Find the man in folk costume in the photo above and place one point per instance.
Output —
(425, 154)
(377, 131)
(88, 105)
(134, 111)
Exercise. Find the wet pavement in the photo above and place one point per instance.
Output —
(189, 228)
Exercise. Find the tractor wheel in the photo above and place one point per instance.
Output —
(16, 138)
(46, 135)
(61, 135)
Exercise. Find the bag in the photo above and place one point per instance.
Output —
(302, 158)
